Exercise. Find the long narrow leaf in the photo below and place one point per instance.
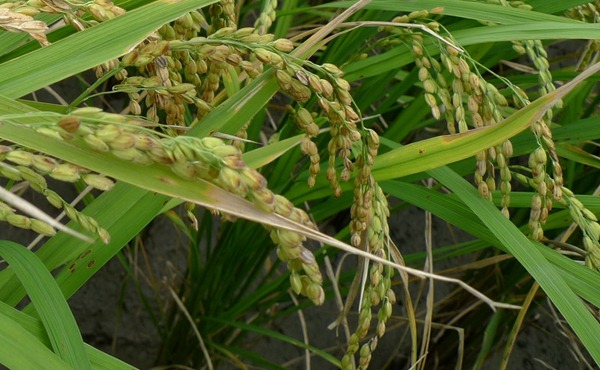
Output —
(230, 116)
(577, 315)
(582, 280)
(89, 48)
(539, 31)
(276, 335)
(49, 302)
(21, 350)
(160, 179)
(398, 57)
(556, 6)
(123, 211)
(441, 150)
(98, 359)
(156, 178)
(265, 155)
(464, 9)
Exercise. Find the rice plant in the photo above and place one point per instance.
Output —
(254, 126)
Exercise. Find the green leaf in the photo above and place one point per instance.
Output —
(234, 113)
(98, 359)
(479, 11)
(155, 178)
(538, 31)
(398, 56)
(571, 307)
(555, 6)
(276, 335)
(49, 302)
(582, 280)
(124, 212)
(267, 154)
(22, 350)
(89, 48)
(579, 155)
(441, 150)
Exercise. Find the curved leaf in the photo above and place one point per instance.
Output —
(441, 150)
(49, 302)
(89, 48)
(98, 359)
(571, 307)
(21, 350)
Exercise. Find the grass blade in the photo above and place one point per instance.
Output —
(577, 315)
(124, 211)
(265, 155)
(155, 178)
(276, 335)
(555, 6)
(98, 359)
(539, 31)
(22, 350)
(464, 9)
(49, 302)
(441, 150)
(582, 280)
(89, 48)
(31, 210)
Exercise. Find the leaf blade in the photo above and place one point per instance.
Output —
(21, 350)
(103, 42)
(49, 302)
(441, 150)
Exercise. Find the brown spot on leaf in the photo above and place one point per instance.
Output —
(84, 254)
(166, 180)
